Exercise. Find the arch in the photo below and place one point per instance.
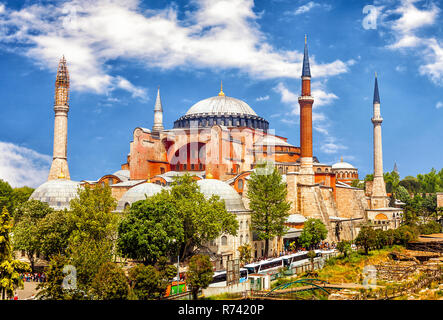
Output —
(381, 216)
(224, 240)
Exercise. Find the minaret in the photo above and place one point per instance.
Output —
(378, 197)
(158, 114)
(59, 168)
(306, 101)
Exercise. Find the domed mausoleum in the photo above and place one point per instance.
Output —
(57, 193)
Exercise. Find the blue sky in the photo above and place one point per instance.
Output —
(118, 52)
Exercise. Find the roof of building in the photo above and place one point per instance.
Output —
(233, 200)
(139, 192)
(57, 193)
(123, 175)
(296, 218)
(270, 140)
(221, 105)
(342, 165)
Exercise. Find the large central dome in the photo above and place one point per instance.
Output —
(221, 110)
(221, 105)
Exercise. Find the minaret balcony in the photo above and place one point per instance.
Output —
(377, 120)
(306, 98)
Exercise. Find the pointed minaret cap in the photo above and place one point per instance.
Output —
(376, 94)
(306, 70)
(158, 101)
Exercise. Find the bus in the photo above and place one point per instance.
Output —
(219, 278)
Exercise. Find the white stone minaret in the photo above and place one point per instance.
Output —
(378, 198)
(158, 114)
(59, 168)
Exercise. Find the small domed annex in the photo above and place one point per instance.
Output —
(139, 192)
(57, 193)
(233, 200)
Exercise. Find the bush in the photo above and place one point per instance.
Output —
(405, 234)
(430, 227)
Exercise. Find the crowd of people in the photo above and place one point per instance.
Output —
(34, 277)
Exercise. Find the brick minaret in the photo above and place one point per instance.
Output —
(158, 114)
(379, 197)
(59, 167)
(306, 101)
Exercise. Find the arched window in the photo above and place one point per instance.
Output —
(110, 181)
(240, 184)
(127, 205)
(241, 239)
(224, 241)
(318, 169)
(247, 238)
(241, 224)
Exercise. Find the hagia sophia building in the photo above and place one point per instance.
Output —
(219, 141)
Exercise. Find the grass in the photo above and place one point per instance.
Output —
(225, 296)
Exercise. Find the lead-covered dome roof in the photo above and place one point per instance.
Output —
(57, 193)
(233, 200)
(221, 105)
(139, 192)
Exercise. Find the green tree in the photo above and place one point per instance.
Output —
(91, 215)
(267, 201)
(152, 229)
(88, 255)
(366, 238)
(21, 195)
(200, 273)
(6, 196)
(10, 269)
(245, 252)
(357, 184)
(26, 231)
(380, 239)
(147, 282)
(411, 184)
(53, 289)
(344, 247)
(311, 255)
(392, 180)
(203, 219)
(314, 231)
(110, 283)
(54, 232)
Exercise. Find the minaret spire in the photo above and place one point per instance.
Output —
(306, 101)
(306, 70)
(59, 167)
(378, 197)
(158, 113)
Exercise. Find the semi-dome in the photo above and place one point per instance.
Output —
(139, 192)
(210, 187)
(57, 193)
(221, 105)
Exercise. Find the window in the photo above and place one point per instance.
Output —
(162, 170)
(241, 239)
(241, 224)
(318, 169)
(192, 166)
(185, 166)
(247, 238)
(240, 184)
(224, 240)
(110, 181)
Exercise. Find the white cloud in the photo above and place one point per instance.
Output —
(308, 7)
(264, 98)
(439, 105)
(408, 22)
(331, 146)
(21, 166)
(221, 34)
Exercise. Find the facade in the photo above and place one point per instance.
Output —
(219, 141)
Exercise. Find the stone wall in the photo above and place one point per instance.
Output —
(351, 202)
(439, 199)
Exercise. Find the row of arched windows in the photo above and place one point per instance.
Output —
(347, 175)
